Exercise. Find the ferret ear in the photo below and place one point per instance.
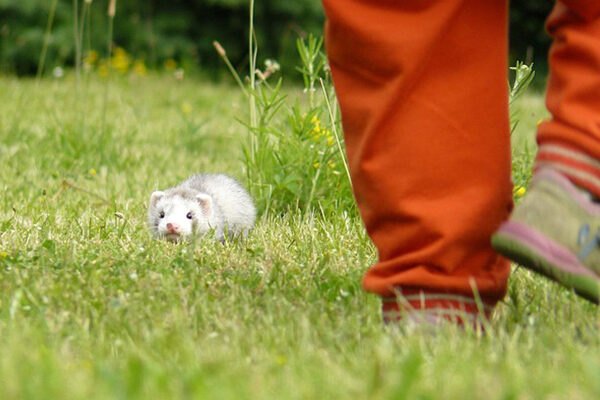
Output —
(156, 196)
(205, 202)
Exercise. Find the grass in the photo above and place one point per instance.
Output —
(91, 307)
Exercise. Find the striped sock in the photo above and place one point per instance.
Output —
(580, 168)
(435, 308)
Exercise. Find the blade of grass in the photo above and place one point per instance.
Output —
(111, 17)
(335, 132)
(47, 34)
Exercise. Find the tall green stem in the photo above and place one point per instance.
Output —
(335, 132)
(42, 61)
(252, 64)
(111, 18)
(252, 49)
(77, 41)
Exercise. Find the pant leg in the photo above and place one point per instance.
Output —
(422, 87)
(570, 141)
(587, 10)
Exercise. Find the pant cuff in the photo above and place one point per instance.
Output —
(580, 168)
(432, 308)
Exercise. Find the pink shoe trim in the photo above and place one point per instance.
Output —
(552, 252)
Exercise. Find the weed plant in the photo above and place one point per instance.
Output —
(294, 156)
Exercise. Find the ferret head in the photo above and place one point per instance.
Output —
(176, 215)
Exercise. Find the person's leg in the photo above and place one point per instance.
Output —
(556, 229)
(423, 96)
(570, 141)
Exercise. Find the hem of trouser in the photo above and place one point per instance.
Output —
(435, 308)
(580, 168)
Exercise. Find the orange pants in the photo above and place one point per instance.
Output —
(570, 142)
(422, 87)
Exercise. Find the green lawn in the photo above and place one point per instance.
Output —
(92, 307)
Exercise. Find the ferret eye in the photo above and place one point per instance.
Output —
(189, 215)
(161, 214)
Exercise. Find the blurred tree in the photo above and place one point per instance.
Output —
(183, 30)
(22, 27)
(529, 41)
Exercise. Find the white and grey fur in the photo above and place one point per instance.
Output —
(202, 203)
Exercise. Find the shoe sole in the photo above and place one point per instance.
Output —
(533, 250)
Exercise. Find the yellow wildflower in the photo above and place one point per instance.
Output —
(90, 59)
(139, 68)
(186, 108)
(87, 365)
(280, 359)
(93, 172)
(330, 140)
(331, 164)
(120, 60)
(316, 164)
(120, 52)
(316, 124)
(520, 191)
(103, 70)
(3, 254)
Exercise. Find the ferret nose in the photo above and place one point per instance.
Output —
(172, 228)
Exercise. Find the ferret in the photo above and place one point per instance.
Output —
(199, 205)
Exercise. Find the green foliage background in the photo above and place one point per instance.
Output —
(529, 41)
(155, 30)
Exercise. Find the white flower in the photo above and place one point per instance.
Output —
(178, 74)
(272, 65)
(58, 72)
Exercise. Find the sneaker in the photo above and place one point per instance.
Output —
(555, 231)
(426, 308)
